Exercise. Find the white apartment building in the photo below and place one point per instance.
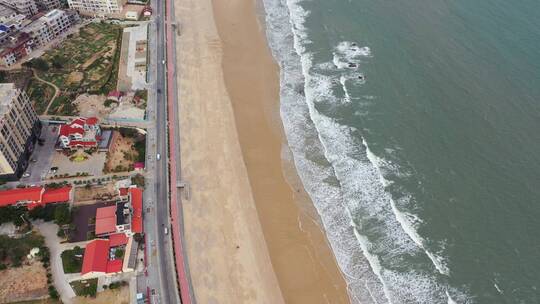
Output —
(97, 7)
(19, 130)
(49, 26)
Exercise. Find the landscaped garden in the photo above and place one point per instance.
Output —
(72, 260)
(85, 287)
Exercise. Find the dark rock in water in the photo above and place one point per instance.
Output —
(353, 44)
(353, 65)
(361, 77)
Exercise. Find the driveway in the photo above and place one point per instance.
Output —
(43, 155)
(60, 280)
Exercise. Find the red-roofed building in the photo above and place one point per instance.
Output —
(97, 259)
(34, 196)
(118, 239)
(59, 195)
(20, 196)
(105, 220)
(138, 166)
(135, 195)
(115, 95)
(80, 133)
(114, 266)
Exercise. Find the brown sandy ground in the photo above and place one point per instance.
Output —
(24, 283)
(116, 296)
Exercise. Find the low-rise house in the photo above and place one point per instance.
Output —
(80, 133)
(99, 259)
(15, 47)
(35, 196)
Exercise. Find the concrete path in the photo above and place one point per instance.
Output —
(60, 280)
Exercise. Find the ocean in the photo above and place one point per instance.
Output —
(415, 128)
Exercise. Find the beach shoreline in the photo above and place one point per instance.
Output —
(301, 256)
(247, 236)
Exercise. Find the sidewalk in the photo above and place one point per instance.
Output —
(60, 280)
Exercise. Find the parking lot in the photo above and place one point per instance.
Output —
(41, 158)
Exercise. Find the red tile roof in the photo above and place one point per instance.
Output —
(114, 266)
(13, 196)
(123, 191)
(91, 121)
(117, 239)
(67, 130)
(105, 220)
(59, 195)
(96, 256)
(136, 204)
(116, 94)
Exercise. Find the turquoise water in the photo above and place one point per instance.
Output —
(415, 127)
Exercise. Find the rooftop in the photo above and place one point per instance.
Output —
(7, 93)
(105, 220)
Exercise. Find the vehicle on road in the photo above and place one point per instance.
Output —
(163, 61)
(26, 175)
(166, 230)
(158, 156)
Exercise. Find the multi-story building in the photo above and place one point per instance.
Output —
(25, 7)
(6, 11)
(47, 5)
(97, 7)
(19, 130)
(15, 47)
(49, 26)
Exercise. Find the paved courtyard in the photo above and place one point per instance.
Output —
(93, 165)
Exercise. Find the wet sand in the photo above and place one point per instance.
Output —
(232, 142)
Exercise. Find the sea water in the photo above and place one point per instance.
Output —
(415, 128)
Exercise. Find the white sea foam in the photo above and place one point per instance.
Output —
(370, 236)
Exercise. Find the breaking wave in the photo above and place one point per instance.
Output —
(372, 238)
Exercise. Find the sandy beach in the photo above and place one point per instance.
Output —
(247, 238)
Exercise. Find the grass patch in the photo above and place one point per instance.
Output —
(85, 288)
(62, 105)
(13, 251)
(72, 260)
(40, 94)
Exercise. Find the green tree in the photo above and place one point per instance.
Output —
(58, 62)
(62, 215)
(40, 64)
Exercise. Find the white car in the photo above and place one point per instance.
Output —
(163, 61)
(158, 157)
(166, 231)
(26, 175)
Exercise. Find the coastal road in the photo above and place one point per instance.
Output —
(161, 275)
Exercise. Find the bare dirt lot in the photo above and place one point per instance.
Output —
(25, 283)
(116, 296)
(121, 155)
(92, 105)
(82, 194)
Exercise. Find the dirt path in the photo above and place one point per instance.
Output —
(56, 90)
